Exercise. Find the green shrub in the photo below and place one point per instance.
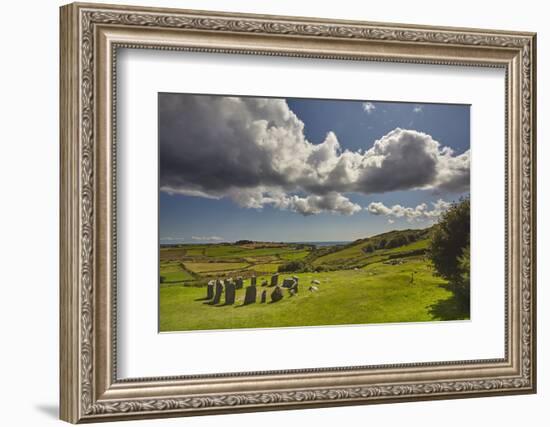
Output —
(291, 266)
(368, 248)
(244, 242)
(396, 241)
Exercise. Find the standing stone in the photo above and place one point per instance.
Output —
(239, 283)
(230, 293)
(277, 294)
(264, 296)
(288, 283)
(294, 287)
(274, 280)
(253, 281)
(210, 289)
(218, 292)
(250, 295)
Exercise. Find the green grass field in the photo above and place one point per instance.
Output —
(360, 283)
(264, 268)
(173, 272)
(378, 293)
(206, 267)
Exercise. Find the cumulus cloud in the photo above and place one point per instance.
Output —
(313, 204)
(207, 238)
(369, 107)
(306, 205)
(418, 213)
(172, 238)
(254, 151)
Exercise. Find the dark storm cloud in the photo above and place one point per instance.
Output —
(253, 150)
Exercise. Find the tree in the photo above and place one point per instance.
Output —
(449, 248)
(464, 265)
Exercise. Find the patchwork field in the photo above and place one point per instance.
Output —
(385, 278)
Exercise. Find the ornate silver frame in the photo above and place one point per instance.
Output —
(90, 36)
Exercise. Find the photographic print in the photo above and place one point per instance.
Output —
(294, 212)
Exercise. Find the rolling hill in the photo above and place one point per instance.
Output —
(197, 264)
(397, 243)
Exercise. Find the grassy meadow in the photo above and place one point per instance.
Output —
(385, 278)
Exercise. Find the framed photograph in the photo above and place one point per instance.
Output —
(265, 213)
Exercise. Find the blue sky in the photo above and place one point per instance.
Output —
(305, 170)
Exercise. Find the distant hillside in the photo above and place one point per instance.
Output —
(390, 245)
(197, 263)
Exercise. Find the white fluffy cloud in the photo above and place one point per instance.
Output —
(418, 213)
(369, 107)
(254, 151)
(171, 238)
(309, 205)
(313, 204)
(207, 238)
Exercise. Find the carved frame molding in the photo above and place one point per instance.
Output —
(90, 36)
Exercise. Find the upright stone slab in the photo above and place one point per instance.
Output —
(218, 292)
(239, 283)
(230, 293)
(274, 280)
(277, 294)
(250, 295)
(263, 297)
(226, 281)
(288, 283)
(210, 289)
(253, 281)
